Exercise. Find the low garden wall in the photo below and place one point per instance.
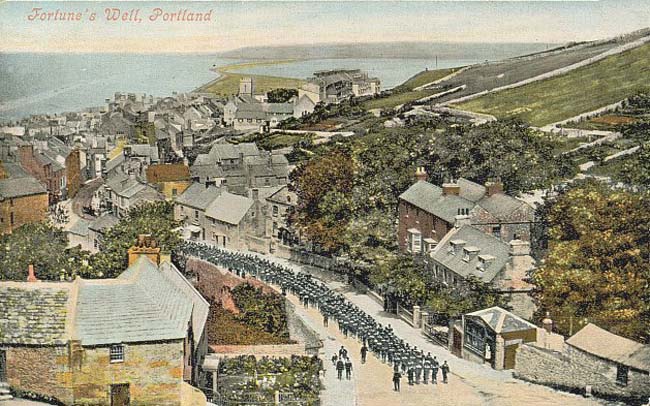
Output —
(573, 370)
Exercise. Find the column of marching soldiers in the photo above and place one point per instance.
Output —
(352, 321)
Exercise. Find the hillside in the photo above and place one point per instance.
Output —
(228, 81)
(579, 91)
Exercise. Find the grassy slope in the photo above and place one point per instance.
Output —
(228, 82)
(579, 91)
(420, 79)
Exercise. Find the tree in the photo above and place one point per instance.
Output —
(45, 247)
(597, 267)
(156, 219)
(281, 95)
(323, 186)
(636, 169)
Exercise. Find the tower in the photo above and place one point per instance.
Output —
(246, 87)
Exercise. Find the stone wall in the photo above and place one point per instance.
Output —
(154, 372)
(73, 173)
(26, 210)
(301, 332)
(280, 351)
(572, 370)
(40, 370)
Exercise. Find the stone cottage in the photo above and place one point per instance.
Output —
(134, 340)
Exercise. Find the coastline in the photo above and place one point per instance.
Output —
(228, 72)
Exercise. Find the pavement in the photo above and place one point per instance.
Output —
(469, 383)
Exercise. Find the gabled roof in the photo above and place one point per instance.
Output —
(229, 208)
(429, 198)
(80, 227)
(221, 151)
(500, 205)
(470, 190)
(502, 321)
(487, 244)
(198, 196)
(143, 304)
(103, 222)
(609, 346)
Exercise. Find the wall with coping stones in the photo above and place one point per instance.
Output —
(573, 370)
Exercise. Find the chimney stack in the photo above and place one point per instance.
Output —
(462, 220)
(145, 245)
(493, 187)
(450, 189)
(547, 323)
(31, 276)
(421, 174)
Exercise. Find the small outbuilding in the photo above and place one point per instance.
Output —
(491, 336)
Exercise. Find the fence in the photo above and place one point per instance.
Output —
(405, 315)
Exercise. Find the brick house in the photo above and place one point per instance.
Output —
(427, 212)
(22, 201)
(48, 171)
(134, 340)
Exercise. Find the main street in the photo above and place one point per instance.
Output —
(469, 383)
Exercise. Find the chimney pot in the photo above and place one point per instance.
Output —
(547, 323)
(31, 276)
(421, 174)
(493, 187)
(450, 189)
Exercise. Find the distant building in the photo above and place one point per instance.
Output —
(240, 167)
(97, 230)
(23, 200)
(170, 179)
(46, 169)
(279, 206)
(136, 339)
(123, 192)
(334, 86)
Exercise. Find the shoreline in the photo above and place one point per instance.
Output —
(226, 71)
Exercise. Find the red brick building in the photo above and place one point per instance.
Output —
(428, 212)
(46, 170)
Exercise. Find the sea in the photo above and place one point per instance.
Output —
(42, 83)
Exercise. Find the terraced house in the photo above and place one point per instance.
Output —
(134, 340)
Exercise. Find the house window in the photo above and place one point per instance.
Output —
(275, 210)
(621, 375)
(11, 216)
(11, 202)
(474, 337)
(415, 241)
(117, 353)
(174, 192)
(496, 231)
(196, 214)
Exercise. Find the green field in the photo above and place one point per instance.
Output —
(404, 93)
(582, 90)
(228, 82)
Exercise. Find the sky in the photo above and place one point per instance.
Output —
(236, 24)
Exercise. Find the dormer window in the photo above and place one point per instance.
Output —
(469, 253)
(484, 262)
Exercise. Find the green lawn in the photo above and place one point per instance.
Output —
(228, 83)
(579, 91)
(405, 94)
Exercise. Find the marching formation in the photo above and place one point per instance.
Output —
(352, 321)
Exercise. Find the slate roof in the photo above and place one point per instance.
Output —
(229, 208)
(80, 227)
(198, 196)
(473, 237)
(609, 346)
(429, 198)
(142, 304)
(229, 151)
(500, 205)
(502, 321)
(19, 187)
(470, 190)
(103, 222)
(33, 313)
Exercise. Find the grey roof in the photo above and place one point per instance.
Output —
(205, 172)
(142, 304)
(103, 222)
(609, 346)
(33, 313)
(229, 208)
(429, 198)
(201, 307)
(203, 159)
(501, 205)
(229, 151)
(279, 108)
(198, 196)
(502, 321)
(12, 188)
(80, 227)
(143, 150)
(473, 237)
(115, 162)
(470, 190)
(14, 170)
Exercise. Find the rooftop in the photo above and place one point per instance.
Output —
(502, 321)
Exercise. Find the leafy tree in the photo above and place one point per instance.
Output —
(281, 95)
(323, 186)
(264, 312)
(636, 169)
(597, 267)
(44, 246)
(156, 219)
